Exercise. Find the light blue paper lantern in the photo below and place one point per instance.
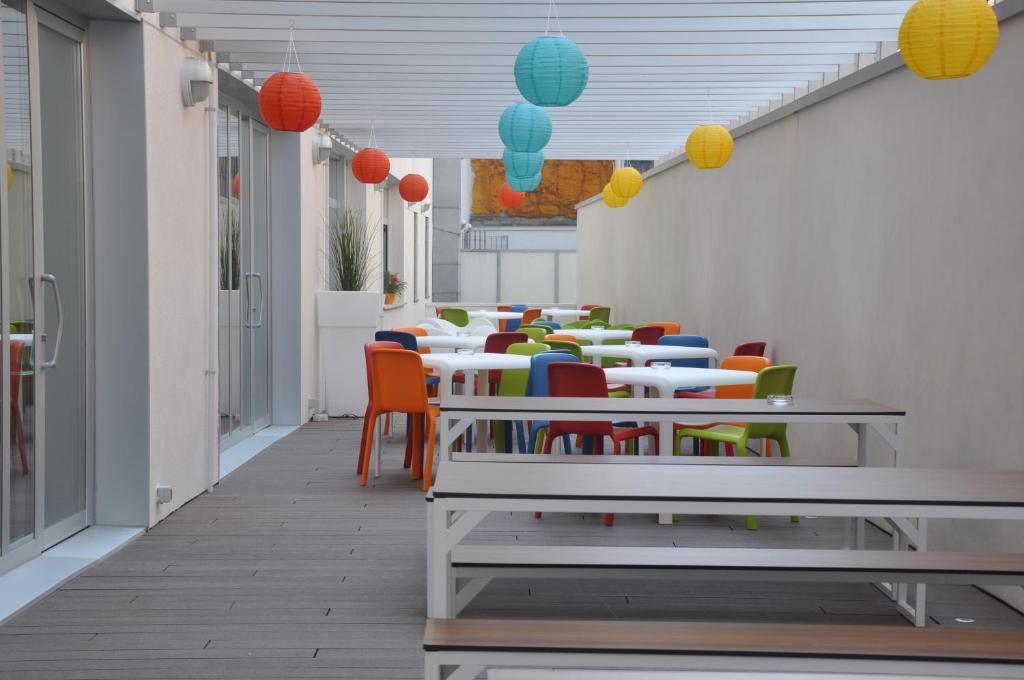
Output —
(523, 183)
(522, 163)
(525, 127)
(551, 71)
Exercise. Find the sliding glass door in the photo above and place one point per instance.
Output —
(244, 303)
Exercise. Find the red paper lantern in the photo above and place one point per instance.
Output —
(289, 101)
(414, 188)
(509, 197)
(236, 186)
(371, 166)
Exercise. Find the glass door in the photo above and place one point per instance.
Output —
(258, 323)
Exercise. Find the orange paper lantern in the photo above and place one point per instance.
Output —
(236, 186)
(414, 188)
(509, 197)
(371, 166)
(289, 101)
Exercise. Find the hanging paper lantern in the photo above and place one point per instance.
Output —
(509, 197)
(289, 101)
(525, 127)
(413, 188)
(522, 163)
(10, 177)
(523, 183)
(709, 146)
(551, 71)
(612, 199)
(626, 182)
(371, 166)
(942, 39)
(236, 186)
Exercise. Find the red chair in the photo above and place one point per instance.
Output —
(586, 380)
(397, 385)
(498, 343)
(670, 327)
(368, 349)
(19, 432)
(587, 308)
(750, 349)
(648, 335)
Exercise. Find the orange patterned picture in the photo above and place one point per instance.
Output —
(563, 185)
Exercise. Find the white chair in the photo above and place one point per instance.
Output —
(480, 326)
(440, 325)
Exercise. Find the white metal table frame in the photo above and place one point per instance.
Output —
(641, 354)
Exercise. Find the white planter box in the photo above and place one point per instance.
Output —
(346, 320)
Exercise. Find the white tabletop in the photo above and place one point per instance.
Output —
(26, 338)
(494, 316)
(451, 341)
(556, 313)
(447, 365)
(667, 380)
(596, 336)
(641, 354)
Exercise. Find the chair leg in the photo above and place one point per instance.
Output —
(367, 434)
(387, 424)
(364, 456)
(19, 433)
(784, 452)
(428, 462)
(409, 445)
(416, 444)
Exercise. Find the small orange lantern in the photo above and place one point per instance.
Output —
(371, 166)
(414, 188)
(509, 197)
(290, 101)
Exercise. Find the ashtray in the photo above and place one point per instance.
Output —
(661, 365)
(465, 350)
(598, 328)
(632, 343)
(780, 399)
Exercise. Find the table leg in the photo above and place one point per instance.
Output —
(664, 449)
(478, 378)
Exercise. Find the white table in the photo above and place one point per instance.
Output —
(452, 341)
(641, 354)
(494, 316)
(556, 314)
(596, 336)
(26, 338)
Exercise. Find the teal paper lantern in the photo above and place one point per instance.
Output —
(523, 183)
(522, 163)
(525, 127)
(551, 71)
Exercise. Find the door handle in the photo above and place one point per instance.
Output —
(259, 278)
(52, 280)
(247, 320)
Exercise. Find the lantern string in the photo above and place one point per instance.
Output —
(552, 8)
(290, 52)
(373, 137)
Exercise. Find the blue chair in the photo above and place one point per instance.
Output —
(553, 325)
(513, 324)
(537, 386)
(688, 341)
(407, 341)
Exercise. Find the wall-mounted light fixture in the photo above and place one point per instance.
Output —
(196, 81)
(323, 145)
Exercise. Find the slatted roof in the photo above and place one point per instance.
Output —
(432, 78)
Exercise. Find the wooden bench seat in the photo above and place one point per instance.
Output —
(469, 646)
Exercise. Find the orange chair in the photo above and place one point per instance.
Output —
(398, 386)
(19, 432)
(431, 389)
(368, 349)
(530, 315)
(564, 337)
(503, 322)
(671, 327)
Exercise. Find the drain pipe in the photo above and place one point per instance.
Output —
(213, 271)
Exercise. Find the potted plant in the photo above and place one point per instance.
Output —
(393, 288)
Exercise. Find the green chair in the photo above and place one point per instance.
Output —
(573, 347)
(771, 380)
(513, 384)
(622, 327)
(609, 362)
(577, 324)
(536, 333)
(455, 315)
(601, 314)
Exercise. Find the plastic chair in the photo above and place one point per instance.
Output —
(587, 308)
(17, 347)
(687, 341)
(553, 325)
(513, 324)
(368, 349)
(568, 337)
(498, 343)
(513, 383)
(455, 315)
(440, 325)
(671, 327)
(648, 335)
(600, 314)
(771, 380)
(568, 345)
(503, 323)
(397, 386)
(407, 339)
(530, 315)
(537, 386)
(575, 324)
(750, 349)
(741, 363)
(619, 327)
(480, 326)
(536, 333)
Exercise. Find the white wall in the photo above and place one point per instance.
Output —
(875, 240)
(517, 276)
(313, 271)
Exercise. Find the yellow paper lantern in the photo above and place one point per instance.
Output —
(626, 182)
(709, 146)
(942, 39)
(612, 199)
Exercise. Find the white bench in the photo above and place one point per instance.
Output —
(467, 647)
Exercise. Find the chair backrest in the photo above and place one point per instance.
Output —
(536, 333)
(600, 314)
(621, 327)
(588, 307)
(397, 383)
(498, 343)
(553, 325)
(480, 327)
(750, 349)
(403, 338)
(537, 385)
(686, 341)
(771, 380)
(455, 315)
(440, 325)
(671, 327)
(561, 336)
(437, 310)
(530, 315)
(417, 332)
(648, 335)
(514, 380)
(368, 349)
(576, 324)
(572, 347)
(741, 363)
(513, 324)
(579, 380)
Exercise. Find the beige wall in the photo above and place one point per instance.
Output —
(312, 269)
(874, 239)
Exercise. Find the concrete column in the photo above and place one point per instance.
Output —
(447, 222)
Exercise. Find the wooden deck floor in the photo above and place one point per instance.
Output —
(290, 570)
